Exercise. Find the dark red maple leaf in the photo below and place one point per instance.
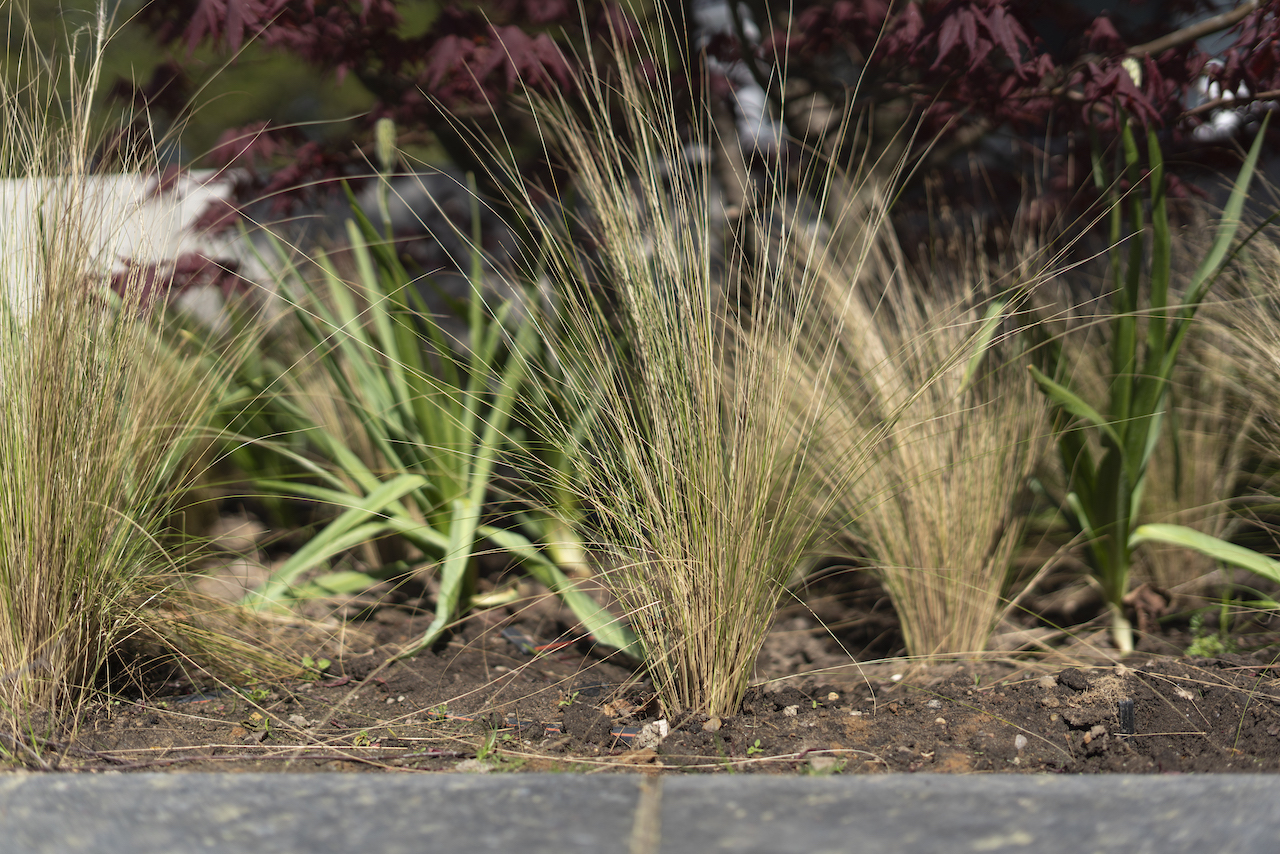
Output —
(448, 57)
(1254, 58)
(1009, 34)
(978, 27)
(535, 60)
(904, 34)
(229, 21)
(1103, 37)
(1109, 83)
(819, 27)
(459, 65)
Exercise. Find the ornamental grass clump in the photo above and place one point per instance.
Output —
(1248, 319)
(942, 508)
(677, 343)
(98, 412)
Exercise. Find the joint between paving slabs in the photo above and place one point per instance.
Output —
(646, 829)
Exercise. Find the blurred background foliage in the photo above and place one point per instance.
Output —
(255, 85)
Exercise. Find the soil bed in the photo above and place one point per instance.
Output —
(481, 703)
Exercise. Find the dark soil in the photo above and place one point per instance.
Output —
(829, 696)
(480, 703)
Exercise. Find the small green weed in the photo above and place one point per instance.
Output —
(490, 752)
(314, 668)
(254, 693)
(488, 749)
(1208, 643)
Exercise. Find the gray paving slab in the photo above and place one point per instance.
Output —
(252, 813)
(535, 813)
(934, 814)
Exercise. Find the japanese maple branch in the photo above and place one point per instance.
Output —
(1194, 31)
(1229, 101)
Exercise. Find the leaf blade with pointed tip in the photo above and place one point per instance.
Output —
(1210, 546)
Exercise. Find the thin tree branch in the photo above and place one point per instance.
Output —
(1197, 30)
(1233, 101)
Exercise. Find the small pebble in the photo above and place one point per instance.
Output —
(299, 721)
(711, 725)
(832, 697)
(652, 734)
(940, 721)
(897, 677)
(791, 711)
(934, 704)
(1019, 742)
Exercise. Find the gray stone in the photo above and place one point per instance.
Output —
(534, 813)
(928, 814)
(316, 813)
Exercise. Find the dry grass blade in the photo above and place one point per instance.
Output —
(690, 475)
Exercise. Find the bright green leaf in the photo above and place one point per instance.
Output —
(1073, 403)
(1220, 550)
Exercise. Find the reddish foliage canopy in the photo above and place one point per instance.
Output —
(993, 58)
(1020, 65)
(464, 64)
(463, 54)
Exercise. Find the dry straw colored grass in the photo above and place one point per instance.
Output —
(926, 367)
(98, 412)
(1198, 480)
(699, 368)
(1245, 347)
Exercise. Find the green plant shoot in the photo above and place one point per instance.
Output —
(437, 428)
(1105, 490)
